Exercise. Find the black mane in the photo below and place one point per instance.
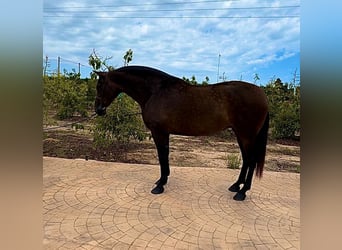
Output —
(143, 71)
(148, 73)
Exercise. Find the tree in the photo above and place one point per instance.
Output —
(206, 81)
(98, 63)
(256, 77)
(123, 121)
(284, 106)
(193, 81)
(128, 57)
(67, 95)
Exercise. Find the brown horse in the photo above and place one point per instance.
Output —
(171, 106)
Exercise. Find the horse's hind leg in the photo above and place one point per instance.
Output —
(241, 180)
(246, 172)
(241, 194)
(243, 172)
(244, 178)
(162, 143)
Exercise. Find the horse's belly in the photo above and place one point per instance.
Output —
(187, 114)
(198, 125)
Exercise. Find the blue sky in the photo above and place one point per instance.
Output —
(237, 38)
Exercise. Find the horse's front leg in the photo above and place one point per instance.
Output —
(162, 143)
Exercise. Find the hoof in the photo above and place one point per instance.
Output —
(234, 188)
(157, 190)
(239, 196)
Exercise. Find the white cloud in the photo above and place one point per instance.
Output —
(177, 45)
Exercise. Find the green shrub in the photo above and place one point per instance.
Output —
(68, 95)
(284, 108)
(234, 160)
(123, 120)
(286, 121)
(122, 123)
(71, 99)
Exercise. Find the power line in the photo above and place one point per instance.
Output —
(140, 5)
(175, 17)
(70, 61)
(78, 12)
(180, 10)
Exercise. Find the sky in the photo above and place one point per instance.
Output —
(223, 40)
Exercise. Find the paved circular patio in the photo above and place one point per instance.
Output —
(101, 205)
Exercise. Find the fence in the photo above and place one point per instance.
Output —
(55, 66)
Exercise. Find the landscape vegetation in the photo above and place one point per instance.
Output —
(71, 129)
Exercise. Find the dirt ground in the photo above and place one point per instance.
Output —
(185, 151)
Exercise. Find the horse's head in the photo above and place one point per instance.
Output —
(106, 92)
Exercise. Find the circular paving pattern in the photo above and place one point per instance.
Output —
(99, 205)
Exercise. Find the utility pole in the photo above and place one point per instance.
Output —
(294, 77)
(223, 77)
(58, 66)
(46, 65)
(218, 67)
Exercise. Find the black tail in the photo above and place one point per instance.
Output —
(261, 142)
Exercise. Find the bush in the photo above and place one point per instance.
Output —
(123, 120)
(234, 161)
(71, 99)
(286, 122)
(122, 123)
(284, 107)
(68, 95)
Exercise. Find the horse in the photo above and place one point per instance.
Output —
(169, 105)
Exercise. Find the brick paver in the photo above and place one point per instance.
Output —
(101, 205)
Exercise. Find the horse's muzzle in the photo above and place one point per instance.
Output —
(100, 110)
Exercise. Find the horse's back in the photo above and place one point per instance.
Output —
(241, 89)
(244, 93)
(203, 110)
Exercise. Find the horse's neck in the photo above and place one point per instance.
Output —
(136, 88)
(141, 89)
